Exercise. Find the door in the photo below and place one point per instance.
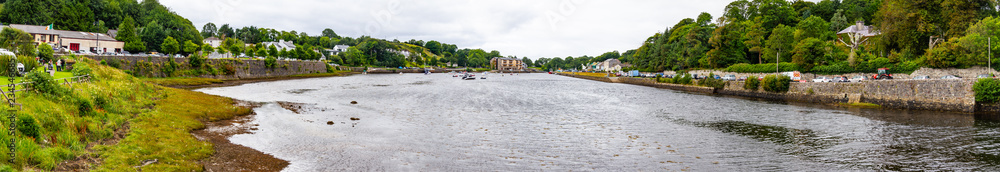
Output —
(74, 46)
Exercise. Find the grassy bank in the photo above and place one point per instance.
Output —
(194, 82)
(116, 117)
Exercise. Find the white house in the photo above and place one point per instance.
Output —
(213, 41)
(281, 44)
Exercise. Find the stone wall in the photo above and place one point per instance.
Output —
(242, 69)
(933, 73)
(941, 95)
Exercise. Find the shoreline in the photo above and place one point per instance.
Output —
(950, 95)
(233, 157)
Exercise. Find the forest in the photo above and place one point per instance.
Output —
(754, 35)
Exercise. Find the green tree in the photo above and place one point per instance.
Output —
(190, 47)
(754, 37)
(527, 61)
(207, 49)
(272, 51)
(11, 39)
(434, 47)
(839, 22)
(32, 12)
(154, 34)
(807, 52)
(127, 33)
(727, 46)
(813, 27)
(45, 53)
(779, 44)
(170, 45)
(355, 57)
(209, 30)
(262, 52)
(329, 33)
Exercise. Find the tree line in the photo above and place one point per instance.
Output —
(803, 35)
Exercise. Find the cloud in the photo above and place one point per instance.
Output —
(531, 28)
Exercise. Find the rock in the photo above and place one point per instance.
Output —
(354, 102)
(329, 122)
(355, 119)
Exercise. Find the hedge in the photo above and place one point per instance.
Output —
(762, 68)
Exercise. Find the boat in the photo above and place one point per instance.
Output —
(469, 77)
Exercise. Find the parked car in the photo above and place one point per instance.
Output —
(858, 78)
(743, 78)
(729, 78)
(951, 77)
(841, 79)
(822, 79)
(986, 76)
(922, 77)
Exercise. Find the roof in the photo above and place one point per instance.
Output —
(212, 39)
(113, 33)
(860, 28)
(62, 33)
(505, 58)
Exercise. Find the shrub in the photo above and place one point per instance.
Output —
(169, 68)
(776, 83)
(29, 62)
(4, 64)
(81, 69)
(751, 83)
(987, 90)
(686, 80)
(329, 68)
(43, 83)
(762, 68)
(84, 106)
(270, 62)
(228, 69)
(196, 61)
(712, 82)
(28, 126)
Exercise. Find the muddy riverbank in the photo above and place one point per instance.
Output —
(234, 157)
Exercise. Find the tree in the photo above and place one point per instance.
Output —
(262, 52)
(45, 52)
(154, 34)
(11, 39)
(779, 44)
(355, 57)
(32, 12)
(329, 33)
(225, 31)
(250, 52)
(72, 15)
(838, 22)
(527, 61)
(727, 46)
(737, 11)
(170, 45)
(754, 38)
(209, 30)
(807, 51)
(190, 47)
(434, 47)
(813, 27)
(207, 49)
(272, 51)
(127, 33)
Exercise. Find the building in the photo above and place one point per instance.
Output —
(281, 44)
(337, 49)
(502, 63)
(611, 65)
(213, 41)
(72, 40)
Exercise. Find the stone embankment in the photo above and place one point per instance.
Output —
(972, 72)
(224, 69)
(393, 70)
(935, 95)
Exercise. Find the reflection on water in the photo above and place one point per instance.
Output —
(544, 122)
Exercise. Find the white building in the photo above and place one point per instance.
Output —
(282, 44)
(213, 41)
(71, 40)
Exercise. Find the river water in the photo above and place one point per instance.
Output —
(531, 122)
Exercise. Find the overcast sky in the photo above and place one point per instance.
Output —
(523, 28)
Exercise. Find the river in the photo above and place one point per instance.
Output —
(531, 122)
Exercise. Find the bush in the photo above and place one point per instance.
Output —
(29, 62)
(712, 82)
(43, 83)
(228, 69)
(28, 126)
(776, 83)
(329, 69)
(762, 68)
(81, 69)
(169, 68)
(751, 83)
(4, 64)
(686, 80)
(270, 62)
(84, 106)
(987, 90)
(196, 61)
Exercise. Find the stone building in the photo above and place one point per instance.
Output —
(71, 40)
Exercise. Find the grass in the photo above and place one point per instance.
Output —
(182, 81)
(58, 75)
(587, 74)
(158, 121)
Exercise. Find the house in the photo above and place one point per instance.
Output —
(281, 44)
(611, 65)
(72, 40)
(503, 63)
(213, 41)
(337, 49)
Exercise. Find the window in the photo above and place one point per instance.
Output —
(52, 38)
